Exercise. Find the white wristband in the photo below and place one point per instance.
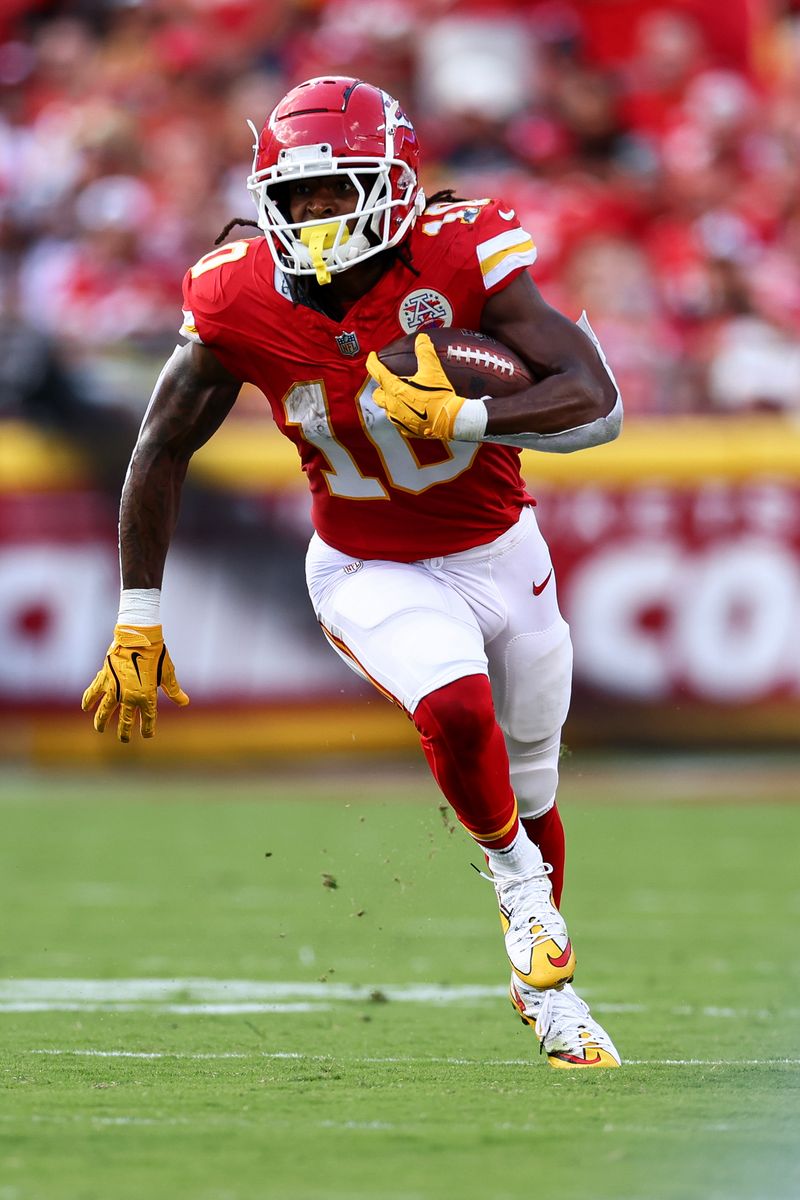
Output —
(470, 422)
(139, 606)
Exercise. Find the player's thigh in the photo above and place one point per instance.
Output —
(530, 660)
(399, 626)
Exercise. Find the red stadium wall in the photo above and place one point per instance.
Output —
(678, 558)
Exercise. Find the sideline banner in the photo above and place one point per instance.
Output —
(681, 592)
(677, 552)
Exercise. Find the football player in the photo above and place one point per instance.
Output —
(426, 570)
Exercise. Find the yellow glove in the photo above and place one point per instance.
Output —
(137, 663)
(424, 405)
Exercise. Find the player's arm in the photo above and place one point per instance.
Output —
(576, 391)
(192, 397)
(576, 404)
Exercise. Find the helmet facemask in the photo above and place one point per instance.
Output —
(388, 197)
(351, 237)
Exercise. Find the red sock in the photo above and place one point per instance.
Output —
(466, 752)
(547, 833)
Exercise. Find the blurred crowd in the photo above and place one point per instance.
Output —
(651, 149)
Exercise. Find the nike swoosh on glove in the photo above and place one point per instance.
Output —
(137, 664)
(423, 405)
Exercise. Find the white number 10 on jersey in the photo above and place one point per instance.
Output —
(306, 406)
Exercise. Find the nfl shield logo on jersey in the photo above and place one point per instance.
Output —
(348, 344)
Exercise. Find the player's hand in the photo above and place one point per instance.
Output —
(137, 664)
(423, 405)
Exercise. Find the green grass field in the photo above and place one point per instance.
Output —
(226, 989)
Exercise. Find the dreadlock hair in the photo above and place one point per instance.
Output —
(232, 225)
(306, 291)
(445, 196)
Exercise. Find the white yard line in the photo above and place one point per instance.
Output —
(228, 991)
(225, 1010)
(400, 1059)
(232, 997)
(219, 997)
(150, 1054)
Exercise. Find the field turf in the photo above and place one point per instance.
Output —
(223, 988)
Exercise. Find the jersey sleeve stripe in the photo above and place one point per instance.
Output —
(189, 329)
(488, 264)
(505, 263)
(507, 240)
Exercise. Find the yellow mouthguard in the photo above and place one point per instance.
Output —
(319, 238)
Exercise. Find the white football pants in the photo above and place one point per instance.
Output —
(411, 628)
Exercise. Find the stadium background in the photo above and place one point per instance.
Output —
(653, 151)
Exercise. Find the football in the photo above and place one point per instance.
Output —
(476, 365)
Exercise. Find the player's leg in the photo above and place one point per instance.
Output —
(533, 767)
(467, 755)
(466, 752)
(405, 628)
(530, 665)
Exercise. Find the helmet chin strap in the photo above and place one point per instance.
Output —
(319, 238)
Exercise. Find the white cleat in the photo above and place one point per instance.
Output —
(537, 943)
(567, 1032)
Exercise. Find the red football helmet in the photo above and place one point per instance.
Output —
(330, 126)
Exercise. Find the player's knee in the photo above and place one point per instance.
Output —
(538, 681)
(533, 769)
(461, 712)
(535, 792)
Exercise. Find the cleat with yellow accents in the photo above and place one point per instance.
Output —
(537, 943)
(568, 1034)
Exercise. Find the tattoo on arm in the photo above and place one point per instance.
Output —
(192, 397)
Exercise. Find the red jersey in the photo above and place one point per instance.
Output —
(375, 493)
